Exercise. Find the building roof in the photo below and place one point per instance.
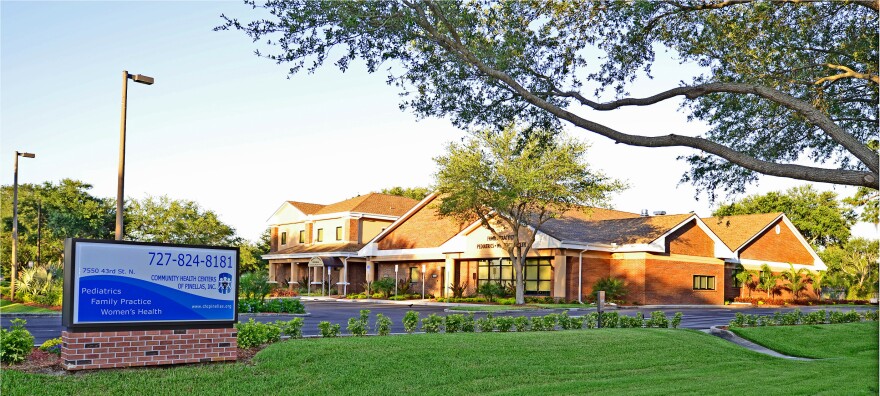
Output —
(736, 230)
(373, 203)
(305, 207)
(320, 248)
(627, 230)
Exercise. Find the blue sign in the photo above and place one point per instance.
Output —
(127, 283)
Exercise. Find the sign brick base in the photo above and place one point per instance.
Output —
(111, 349)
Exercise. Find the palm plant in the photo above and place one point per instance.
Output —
(797, 280)
(747, 278)
(818, 280)
(767, 280)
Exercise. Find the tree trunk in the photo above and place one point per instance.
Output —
(519, 275)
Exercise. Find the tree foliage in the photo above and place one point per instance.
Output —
(514, 185)
(783, 82)
(64, 209)
(819, 216)
(418, 193)
(166, 220)
(855, 264)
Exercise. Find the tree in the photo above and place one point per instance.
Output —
(62, 210)
(784, 82)
(767, 280)
(514, 185)
(169, 220)
(797, 280)
(418, 193)
(250, 253)
(748, 278)
(819, 216)
(860, 265)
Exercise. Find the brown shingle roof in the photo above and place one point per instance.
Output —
(628, 230)
(736, 230)
(373, 203)
(321, 248)
(424, 229)
(305, 207)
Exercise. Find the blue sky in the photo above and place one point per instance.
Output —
(229, 130)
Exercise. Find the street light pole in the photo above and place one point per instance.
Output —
(395, 279)
(423, 281)
(120, 183)
(15, 222)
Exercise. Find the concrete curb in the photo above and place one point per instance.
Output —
(730, 336)
(29, 315)
(274, 314)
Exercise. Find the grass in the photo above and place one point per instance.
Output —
(804, 340)
(491, 308)
(564, 306)
(8, 307)
(609, 361)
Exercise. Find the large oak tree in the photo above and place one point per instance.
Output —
(789, 88)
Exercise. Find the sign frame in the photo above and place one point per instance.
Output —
(69, 293)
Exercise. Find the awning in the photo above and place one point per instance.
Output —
(324, 261)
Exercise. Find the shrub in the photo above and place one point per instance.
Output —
(577, 322)
(610, 319)
(383, 325)
(41, 284)
(404, 286)
(292, 328)
(550, 321)
(658, 319)
(739, 320)
(328, 330)
(357, 327)
(615, 289)
(752, 320)
(385, 286)
(491, 290)
(467, 323)
(632, 322)
(254, 285)
(676, 320)
(816, 317)
(852, 316)
(504, 323)
(506, 301)
(789, 318)
(566, 322)
(252, 334)
(432, 323)
(458, 289)
(486, 324)
(16, 343)
(871, 315)
(521, 323)
(52, 345)
(410, 321)
(592, 320)
(536, 323)
(453, 322)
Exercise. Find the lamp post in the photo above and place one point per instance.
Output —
(395, 279)
(121, 178)
(423, 281)
(15, 221)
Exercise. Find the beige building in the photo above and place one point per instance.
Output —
(318, 244)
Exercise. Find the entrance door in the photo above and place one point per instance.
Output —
(443, 281)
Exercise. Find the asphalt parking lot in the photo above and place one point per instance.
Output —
(44, 327)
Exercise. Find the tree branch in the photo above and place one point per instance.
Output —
(847, 73)
(824, 175)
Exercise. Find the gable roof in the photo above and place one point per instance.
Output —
(736, 230)
(373, 203)
(623, 231)
(305, 207)
(422, 228)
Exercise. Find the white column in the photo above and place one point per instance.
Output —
(559, 272)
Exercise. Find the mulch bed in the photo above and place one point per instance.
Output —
(40, 362)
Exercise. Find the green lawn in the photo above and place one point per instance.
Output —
(805, 340)
(608, 361)
(491, 308)
(565, 306)
(11, 307)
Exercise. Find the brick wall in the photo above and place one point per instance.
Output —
(782, 248)
(111, 349)
(690, 240)
(593, 268)
(672, 282)
(432, 285)
(353, 231)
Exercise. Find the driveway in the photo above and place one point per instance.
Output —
(44, 327)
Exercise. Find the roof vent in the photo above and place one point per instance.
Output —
(644, 212)
(659, 213)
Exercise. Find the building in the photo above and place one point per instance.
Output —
(317, 244)
(663, 259)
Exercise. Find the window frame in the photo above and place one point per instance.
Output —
(302, 236)
(339, 233)
(283, 237)
(707, 280)
(417, 277)
(319, 236)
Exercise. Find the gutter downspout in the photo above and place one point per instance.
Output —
(580, 276)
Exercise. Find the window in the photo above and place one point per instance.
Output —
(704, 282)
(538, 274)
(338, 233)
(284, 238)
(414, 274)
(302, 236)
(320, 237)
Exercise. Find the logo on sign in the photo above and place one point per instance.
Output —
(223, 284)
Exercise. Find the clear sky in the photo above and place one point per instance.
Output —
(229, 130)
